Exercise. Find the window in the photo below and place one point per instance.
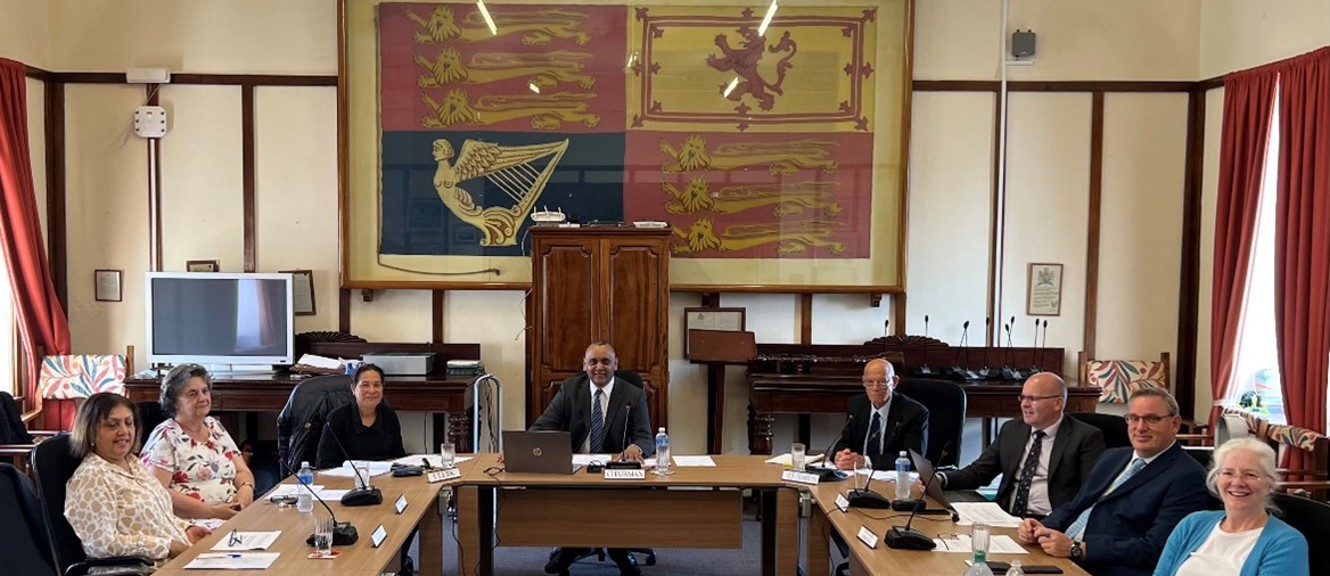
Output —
(1255, 384)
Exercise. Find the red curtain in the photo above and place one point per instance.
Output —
(1302, 241)
(41, 320)
(1248, 103)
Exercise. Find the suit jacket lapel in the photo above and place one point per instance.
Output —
(581, 419)
(1118, 464)
(890, 428)
(1060, 444)
(1154, 468)
(614, 412)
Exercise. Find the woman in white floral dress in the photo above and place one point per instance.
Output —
(112, 502)
(192, 455)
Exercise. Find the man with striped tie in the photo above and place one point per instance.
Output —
(604, 415)
(1121, 518)
(882, 423)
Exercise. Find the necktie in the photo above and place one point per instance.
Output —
(1020, 507)
(597, 424)
(1077, 528)
(874, 447)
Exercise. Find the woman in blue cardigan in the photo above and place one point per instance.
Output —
(1243, 538)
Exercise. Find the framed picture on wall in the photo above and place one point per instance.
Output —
(702, 318)
(107, 285)
(1043, 292)
(202, 266)
(302, 291)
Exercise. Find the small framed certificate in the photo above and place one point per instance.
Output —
(107, 285)
(302, 291)
(1043, 294)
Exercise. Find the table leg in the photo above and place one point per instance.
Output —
(787, 531)
(987, 431)
(818, 547)
(475, 531)
(431, 538)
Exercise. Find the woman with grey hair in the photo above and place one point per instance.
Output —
(113, 504)
(1243, 538)
(192, 455)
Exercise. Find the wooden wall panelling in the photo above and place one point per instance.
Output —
(1184, 376)
(1093, 221)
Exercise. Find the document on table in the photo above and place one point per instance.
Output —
(984, 513)
(691, 461)
(434, 460)
(889, 475)
(584, 459)
(295, 490)
(997, 544)
(247, 541)
(345, 471)
(787, 461)
(232, 561)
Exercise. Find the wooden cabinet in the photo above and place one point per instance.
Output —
(590, 284)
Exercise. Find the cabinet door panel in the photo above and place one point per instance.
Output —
(636, 295)
(566, 322)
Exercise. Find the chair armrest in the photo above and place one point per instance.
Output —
(132, 565)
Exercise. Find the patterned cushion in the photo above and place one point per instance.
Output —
(81, 375)
(1302, 438)
(1117, 379)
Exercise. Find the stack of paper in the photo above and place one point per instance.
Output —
(345, 471)
(237, 540)
(232, 561)
(997, 544)
(434, 460)
(984, 513)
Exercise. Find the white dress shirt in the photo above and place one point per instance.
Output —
(604, 410)
(1039, 504)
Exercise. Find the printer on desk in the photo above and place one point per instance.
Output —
(402, 363)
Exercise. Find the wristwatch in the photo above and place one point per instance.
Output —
(1076, 551)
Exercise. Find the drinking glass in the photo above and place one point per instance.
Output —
(323, 529)
(979, 538)
(861, 472)
(797, 453)
(447, 455)
(362, 476)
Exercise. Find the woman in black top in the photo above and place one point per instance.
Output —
(367, 429)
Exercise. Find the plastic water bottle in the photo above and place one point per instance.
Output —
(663, 453)
(1015, 569)
(980, 566)
(903, 476)
(304, 499)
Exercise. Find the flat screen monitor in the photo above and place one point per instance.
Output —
(220, 318)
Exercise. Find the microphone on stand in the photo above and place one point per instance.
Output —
(344, 534)
(906, 538)
(963, 372)
(1038, 365)
(828, 472)
(986, 372)
(924, 369)
(866, 498)
(366, 495)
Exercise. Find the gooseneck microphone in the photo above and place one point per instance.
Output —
(924, 369)
(344, 534)
(828, 472)
(366, 496)
(623, 438)
(867, 498)
(906, 538)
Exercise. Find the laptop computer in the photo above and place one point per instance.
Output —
(543, 452)
(934, 488)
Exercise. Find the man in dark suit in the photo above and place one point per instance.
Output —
(1119, 521)
(605, 415)
(882, 423)
(1043, 458)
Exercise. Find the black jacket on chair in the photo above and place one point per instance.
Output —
(626, 418)
(1075, 450)
(300, 424)
(906, 429)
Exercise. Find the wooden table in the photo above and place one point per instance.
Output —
(771, 394)
(252, 392)
(826, 517)
(360, 558)
(694, 508)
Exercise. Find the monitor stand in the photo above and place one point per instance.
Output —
(235, 370)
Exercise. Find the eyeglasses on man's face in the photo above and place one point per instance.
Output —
(1150, 419)
(876, 382)
(1029, 398)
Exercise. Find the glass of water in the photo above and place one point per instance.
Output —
(323, 529)
(979, 538)
(861, 472)
(447, 455)
(798, 452)
(362, 476)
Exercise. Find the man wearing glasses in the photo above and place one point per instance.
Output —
(881, 423)
(1043, 458)
(1119, 521)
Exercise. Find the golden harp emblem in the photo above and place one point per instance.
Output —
(520, 172)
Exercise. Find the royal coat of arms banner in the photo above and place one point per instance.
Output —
(768, 139)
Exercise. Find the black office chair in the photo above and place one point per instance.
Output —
(1113, 426)
(24, 531)
(150, 415)
(945, 401)
(300, 423)
(52, 466)
(1312, 519)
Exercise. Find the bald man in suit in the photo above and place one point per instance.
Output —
(882, 423)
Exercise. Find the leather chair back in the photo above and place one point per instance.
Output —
(946, 406)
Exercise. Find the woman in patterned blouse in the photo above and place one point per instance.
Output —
(192, 455)
(112, 502)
